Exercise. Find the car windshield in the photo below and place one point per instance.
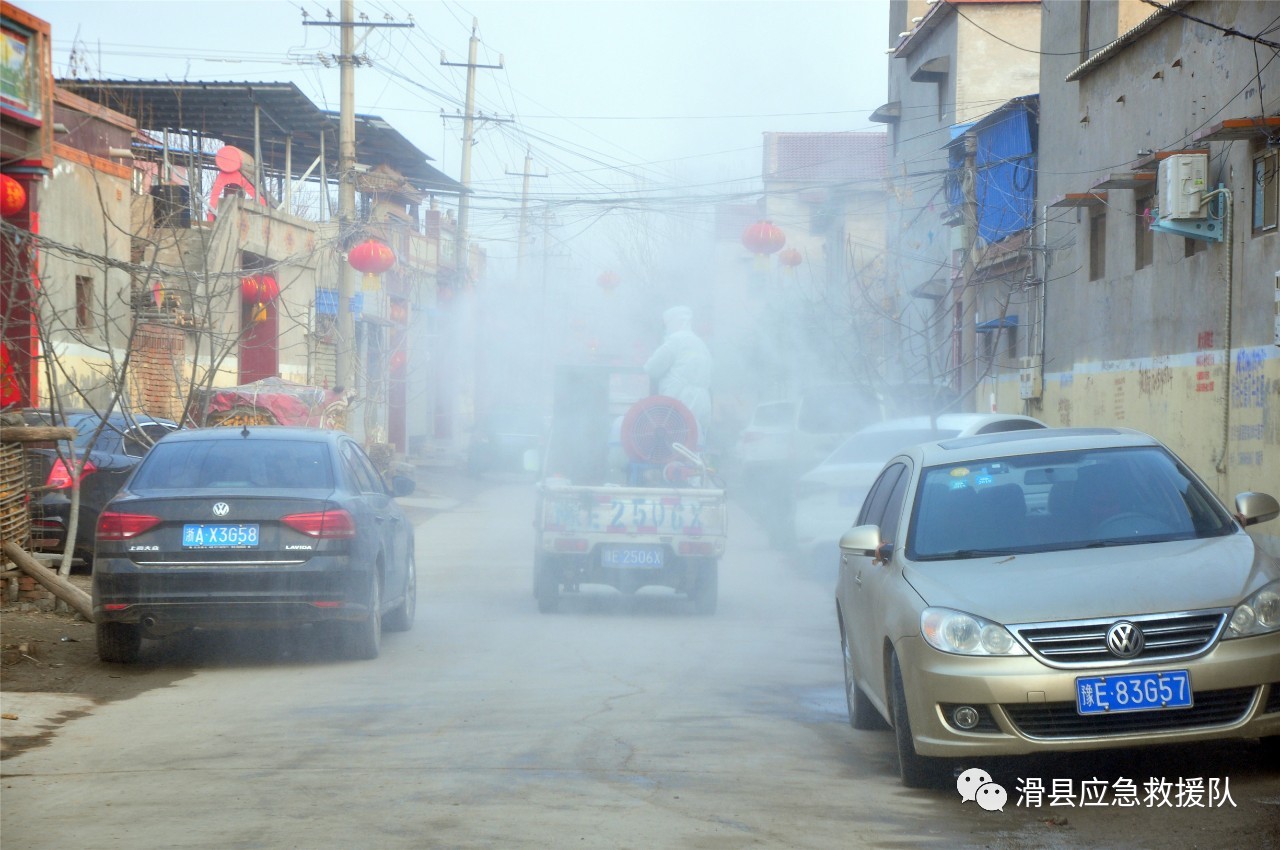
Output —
(215, 464)
(879, 446)
(1063, 500)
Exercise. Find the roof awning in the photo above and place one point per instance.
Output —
(1126, 180)
(1079, 199)
(993, 325)
(888, 113)
(933, 71)
(1235, 129)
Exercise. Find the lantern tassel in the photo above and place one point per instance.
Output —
(371, 282)
(260, 312)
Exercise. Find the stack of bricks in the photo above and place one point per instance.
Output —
(29, 590)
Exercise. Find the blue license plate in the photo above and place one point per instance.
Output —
(1133, 692)
(633, 557)
(220, 536)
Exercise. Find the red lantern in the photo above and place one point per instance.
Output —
(608, 280)
(13, 198)
(763, 238)
(259, 290)
(790, 258)
(371, 257)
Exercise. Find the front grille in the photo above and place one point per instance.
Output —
(1061, 720)
(1273, 701)
(1084, 642)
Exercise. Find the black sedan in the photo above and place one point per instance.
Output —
(259, 526)
(110, 452)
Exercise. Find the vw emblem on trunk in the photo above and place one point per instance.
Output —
(221, 509)
(1125, 640)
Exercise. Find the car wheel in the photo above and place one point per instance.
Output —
(364, 639)
(916, 771)
(400, 618)
(118, 643)
(546, 587)
(706, 588)
(862, 714)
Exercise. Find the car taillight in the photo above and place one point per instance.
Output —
(60, 477)
(113, 525)
(323, 524)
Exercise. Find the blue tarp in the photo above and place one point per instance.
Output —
(1006, 162)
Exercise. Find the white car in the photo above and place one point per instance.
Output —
(827, 498)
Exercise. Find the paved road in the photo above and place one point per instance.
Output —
(621, 722)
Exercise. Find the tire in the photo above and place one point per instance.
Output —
(546, 587)
(364, 639)
(862, 714)
(915, 770)
(706, 588)
(118, 643)
(400, 618)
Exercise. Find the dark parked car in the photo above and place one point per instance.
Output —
(120, 445)
(257, 526)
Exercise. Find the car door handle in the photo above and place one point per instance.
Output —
(857, 578)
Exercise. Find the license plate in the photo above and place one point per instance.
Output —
(633, 557)
(220, 536)
(1133, 692)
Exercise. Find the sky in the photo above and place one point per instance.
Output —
(608, 97)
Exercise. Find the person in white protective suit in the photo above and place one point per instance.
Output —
(681, 366)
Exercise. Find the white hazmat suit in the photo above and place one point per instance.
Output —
(682, 365)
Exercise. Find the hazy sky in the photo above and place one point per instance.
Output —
(608, 95)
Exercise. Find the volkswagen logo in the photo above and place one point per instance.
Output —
(1125, 640)
(222, 509)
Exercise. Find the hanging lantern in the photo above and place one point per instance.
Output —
(763, 239)
(259, 290)
(398, 359)
(790, 258)
(608, 280)
(13, 198)
(372, 258)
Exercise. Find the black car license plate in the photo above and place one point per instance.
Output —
(220, 536)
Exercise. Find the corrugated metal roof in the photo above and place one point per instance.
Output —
(225, 111)
(825, 157)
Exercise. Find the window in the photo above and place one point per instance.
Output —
(1144, 241)
(1097, 244)
(84, 302)
(1266, 200)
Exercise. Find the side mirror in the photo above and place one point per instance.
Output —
(1253, 508)
(861, 540)
(402, 485)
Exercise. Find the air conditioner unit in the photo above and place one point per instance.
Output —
(1180, 182)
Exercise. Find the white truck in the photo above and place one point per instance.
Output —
(624, 500)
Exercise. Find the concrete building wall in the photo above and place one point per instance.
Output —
(1157, 348)
(992, 62)
(79, 201)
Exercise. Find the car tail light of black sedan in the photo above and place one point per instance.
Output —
(265, 526)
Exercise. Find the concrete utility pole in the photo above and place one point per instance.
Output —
(967, 297)
(524, 214)
(468, 140)
(345, 350)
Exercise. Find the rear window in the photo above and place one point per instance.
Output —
(217, 464)
(837, 408)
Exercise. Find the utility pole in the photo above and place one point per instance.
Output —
(462, 254)
(345, 350)
(524, 214)
(967, 296)
(468, 140)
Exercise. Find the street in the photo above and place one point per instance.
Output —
(618, 722)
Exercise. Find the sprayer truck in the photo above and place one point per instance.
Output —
(625, 500)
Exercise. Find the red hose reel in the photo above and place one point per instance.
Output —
(652, 424)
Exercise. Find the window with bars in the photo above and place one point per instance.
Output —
(1097, 244)
(84, 302)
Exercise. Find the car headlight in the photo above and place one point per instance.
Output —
(964, 634)
(1257, 615)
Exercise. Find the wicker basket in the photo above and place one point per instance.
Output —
(15, 521)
